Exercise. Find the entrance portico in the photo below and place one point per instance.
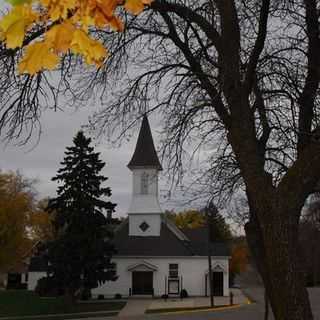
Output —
(219, 280)
(142, 278)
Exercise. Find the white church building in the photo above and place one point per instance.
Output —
(154, 257)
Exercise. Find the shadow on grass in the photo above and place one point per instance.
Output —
(14, 303)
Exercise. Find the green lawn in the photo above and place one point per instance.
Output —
(26, 303)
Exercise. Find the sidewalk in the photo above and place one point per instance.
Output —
(135, 307)
(197, 302)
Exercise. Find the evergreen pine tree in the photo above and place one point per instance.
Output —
(79, 258)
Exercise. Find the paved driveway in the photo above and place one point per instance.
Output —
(314, 296)
(243, 313)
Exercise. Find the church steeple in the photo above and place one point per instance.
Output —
(145, 154)
(144, 211)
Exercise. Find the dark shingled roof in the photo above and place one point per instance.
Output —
(168, 244)
(145, 154)
(199, 239)
(165, 245)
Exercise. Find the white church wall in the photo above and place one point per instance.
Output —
(153, 221)
(152, 181)
(226, 279)
(193, 272)
(144, 204)
(33, 278)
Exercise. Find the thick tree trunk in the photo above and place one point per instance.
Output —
(274, 245)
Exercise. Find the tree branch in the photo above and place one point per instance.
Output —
(189, 14)
(307, 98)
(258, 47)
(197, 70)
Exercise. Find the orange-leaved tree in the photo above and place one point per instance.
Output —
(61, 26)
(16, 205)
(41, 223)
(23, 221)
(239, 257)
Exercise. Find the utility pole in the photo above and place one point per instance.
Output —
(266, 305)
(210, 210)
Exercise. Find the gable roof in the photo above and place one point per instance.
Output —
(170, 243)
(199, 239)
(167, 244)
(145, 154)
(144, 265)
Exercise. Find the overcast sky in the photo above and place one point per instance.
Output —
(42, 161)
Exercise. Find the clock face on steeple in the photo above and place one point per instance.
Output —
(144, 183)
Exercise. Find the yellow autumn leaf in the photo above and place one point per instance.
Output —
(60, 36)
(38, 56)
(108, 6)
(15, 34)
(14, 24)
(68, 23)
(92, 50)
(116, 24)
(100, 13)
(59, 9)
(136, 6)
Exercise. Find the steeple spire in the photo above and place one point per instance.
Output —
(145, 154)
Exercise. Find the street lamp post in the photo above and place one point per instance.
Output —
(210, 210)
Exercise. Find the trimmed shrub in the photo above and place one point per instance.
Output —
(100, 296)
(184, 294)
(118, 296)
(85, 294)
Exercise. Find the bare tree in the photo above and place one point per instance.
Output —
(236, 79)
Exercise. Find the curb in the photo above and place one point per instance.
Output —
(194, 310)
(248, 296)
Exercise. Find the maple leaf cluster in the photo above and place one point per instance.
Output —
(66, 25)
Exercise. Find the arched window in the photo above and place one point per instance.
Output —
(144, 183)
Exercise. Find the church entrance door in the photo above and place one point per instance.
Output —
(142, 282)
(217, 282)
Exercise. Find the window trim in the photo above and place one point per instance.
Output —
(173, 270)
(144, 187)
(177, 282)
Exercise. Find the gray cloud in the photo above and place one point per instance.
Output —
(43, 160)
